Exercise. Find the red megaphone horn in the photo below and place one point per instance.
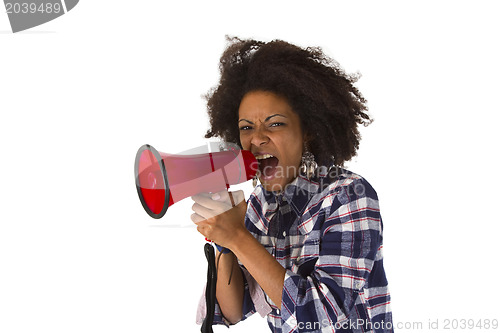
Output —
(164, 179)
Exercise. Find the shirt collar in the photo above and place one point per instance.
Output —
(297, 194)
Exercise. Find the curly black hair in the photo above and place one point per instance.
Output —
(329, 105)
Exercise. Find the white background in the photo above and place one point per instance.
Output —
(79, 95)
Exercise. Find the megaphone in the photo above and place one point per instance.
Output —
(163, 179)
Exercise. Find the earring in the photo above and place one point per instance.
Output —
(308, 166)
(254, 181)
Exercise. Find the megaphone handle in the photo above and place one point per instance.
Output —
(227, 186)
(230, 197)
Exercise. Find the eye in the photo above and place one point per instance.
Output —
(276, 124)
(245, 128)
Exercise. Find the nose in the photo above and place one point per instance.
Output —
(259, 137)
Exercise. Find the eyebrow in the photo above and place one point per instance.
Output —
(273, 115)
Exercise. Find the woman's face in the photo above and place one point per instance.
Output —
(271, 130)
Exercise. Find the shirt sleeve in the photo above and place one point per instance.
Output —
(253, 301)
(347, 244)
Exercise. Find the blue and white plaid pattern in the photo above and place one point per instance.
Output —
(327, 234)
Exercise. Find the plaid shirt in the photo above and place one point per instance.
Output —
(327, 234)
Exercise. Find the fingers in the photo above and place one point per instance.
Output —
(205, 199)
(232, 198)
(205, 212)
(197, 218)
(218, 202)
(202, 225)
(209, 205)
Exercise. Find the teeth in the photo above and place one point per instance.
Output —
(263, 157)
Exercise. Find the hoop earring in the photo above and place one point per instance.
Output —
(308, 166)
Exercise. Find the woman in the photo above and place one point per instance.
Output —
(305, 250)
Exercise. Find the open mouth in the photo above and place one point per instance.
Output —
(267, 165)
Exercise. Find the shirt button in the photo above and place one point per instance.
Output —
(277, 311)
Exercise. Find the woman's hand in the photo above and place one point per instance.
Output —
(224, 224)
(217, 218)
